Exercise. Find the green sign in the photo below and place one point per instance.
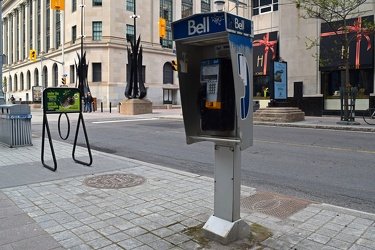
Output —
(60, 100)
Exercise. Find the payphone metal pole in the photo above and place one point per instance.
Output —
(226, 225)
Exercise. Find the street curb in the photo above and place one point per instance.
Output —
(332, 127)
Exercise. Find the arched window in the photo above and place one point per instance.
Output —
(167, 73)
(22, 85)
(45, 77)
(36, 77)
(28, 80)
(55, 75)
(5, 87)
(15, 82)
(167, 79)
(10, 84)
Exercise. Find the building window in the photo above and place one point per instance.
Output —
(96, 72)
(58, 30)
(10, 59)
(30, 24)
(130, 5)
(74, 33)
(205, 6)
(48, 30)
(23, 31)
(129, 33)
(166, 12)
(36, 77)
(96, 31)
(22, 84)
(10, 84)
(74, 5)
(96, 2)
(28, 80)
(17, 13)
(264, 6)
(45, 77)
(38, 28)
(55, 75)
(72, 74)
(15, 83)
(186, 8)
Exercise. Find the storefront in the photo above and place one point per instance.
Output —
(332, 65)
(265, 51)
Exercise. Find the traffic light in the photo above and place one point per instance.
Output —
(32, 55)
(63, 81)
(162, 28)
(57, 4)
(174, 65)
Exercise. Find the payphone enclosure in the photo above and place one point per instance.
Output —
(214, 52)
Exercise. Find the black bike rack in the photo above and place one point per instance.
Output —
(63, 101)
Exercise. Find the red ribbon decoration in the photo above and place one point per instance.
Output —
(361, 32)
(268, 45)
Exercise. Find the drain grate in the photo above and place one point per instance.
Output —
(114, 181)
(277, 205)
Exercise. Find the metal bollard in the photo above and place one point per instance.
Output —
(119, 107)
(101, 107)
(110, 107)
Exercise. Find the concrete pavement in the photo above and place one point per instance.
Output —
(121, 203)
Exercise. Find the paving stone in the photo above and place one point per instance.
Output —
(308, 244)
(89, 236)
(147, 238)
(160, 244)
(365, 243)
(99, 243)
(71, 242)
(117, 237)
(135, 231)
(163, 232)
(131, 244)
(319, 238)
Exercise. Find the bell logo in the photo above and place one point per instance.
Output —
(199, 28)
(239, 25)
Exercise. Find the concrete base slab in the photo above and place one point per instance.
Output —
(225, 231)
(135, 107)
(279, 114)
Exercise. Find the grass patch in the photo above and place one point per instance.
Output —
(258, 234)
(197, 235)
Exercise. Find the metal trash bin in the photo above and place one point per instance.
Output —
(15, 125)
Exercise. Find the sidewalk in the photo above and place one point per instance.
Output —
(120, 203)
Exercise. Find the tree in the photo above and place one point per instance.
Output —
(335, 13)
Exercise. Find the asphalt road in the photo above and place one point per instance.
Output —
(335, 167)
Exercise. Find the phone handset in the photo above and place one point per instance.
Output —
(243, 72)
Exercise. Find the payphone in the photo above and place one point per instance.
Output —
(217, 101)
(214, 55)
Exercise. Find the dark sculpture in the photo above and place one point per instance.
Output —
(135, 88)
(82, 69)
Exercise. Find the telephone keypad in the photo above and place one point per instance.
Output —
(211, 87)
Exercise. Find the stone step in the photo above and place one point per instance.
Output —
(279, 114)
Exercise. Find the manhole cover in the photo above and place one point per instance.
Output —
(114, 181)
(277, 205)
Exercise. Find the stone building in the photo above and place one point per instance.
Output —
(107, 28)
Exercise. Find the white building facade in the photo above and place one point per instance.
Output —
(107, 29)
